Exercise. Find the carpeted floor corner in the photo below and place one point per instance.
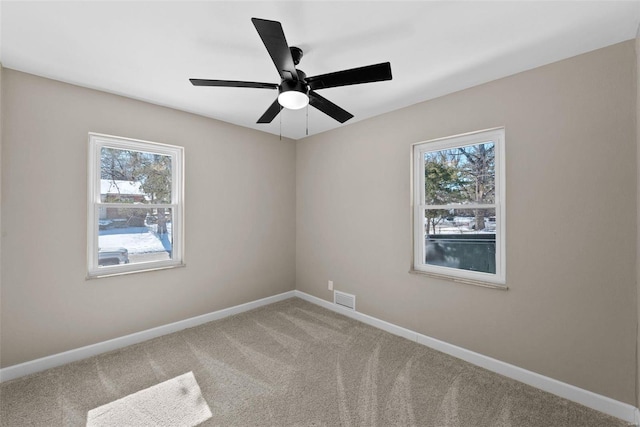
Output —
(287, 364)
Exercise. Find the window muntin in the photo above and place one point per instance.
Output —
(458, 203)
(135, 205)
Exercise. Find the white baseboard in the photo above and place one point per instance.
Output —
(59, 359)
(584, 397)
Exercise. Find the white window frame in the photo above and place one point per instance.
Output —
(419, 205)
(96, 143)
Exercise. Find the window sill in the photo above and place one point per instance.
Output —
(480, 283)
(101, 274)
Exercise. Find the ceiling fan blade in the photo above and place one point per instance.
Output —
(232, 83)
(273, 38)
(328, 107)
(354, 76)
(271, 113)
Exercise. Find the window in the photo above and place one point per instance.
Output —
(458, 207)
(135, 215)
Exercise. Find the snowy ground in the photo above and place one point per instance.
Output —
(464, 225)
(137, 240)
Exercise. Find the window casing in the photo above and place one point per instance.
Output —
(458, 201)
(135, 206)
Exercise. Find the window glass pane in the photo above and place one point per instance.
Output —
(460, 175)
(128, 176)
(134, 235)
(461, 238)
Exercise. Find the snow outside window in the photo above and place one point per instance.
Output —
(459, 209)
(135, 206)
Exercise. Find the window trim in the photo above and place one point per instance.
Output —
(497, 280)
(96, 142)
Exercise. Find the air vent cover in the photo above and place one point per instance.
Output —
(344, 300)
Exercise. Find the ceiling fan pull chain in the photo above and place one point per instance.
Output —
(280, 124)
(307, 119)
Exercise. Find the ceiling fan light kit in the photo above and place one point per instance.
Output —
(293, 94)
(296, 90)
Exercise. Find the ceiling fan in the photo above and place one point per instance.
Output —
(296, 90)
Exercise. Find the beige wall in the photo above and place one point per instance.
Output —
(571, 311)
(1, 229)
(240, 216)
(638, 211)
(572, 308)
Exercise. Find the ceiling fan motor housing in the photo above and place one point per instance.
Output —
(297, 85)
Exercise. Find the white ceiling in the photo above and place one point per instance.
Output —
(149, 50)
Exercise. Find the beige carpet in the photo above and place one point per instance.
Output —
(290, 363)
